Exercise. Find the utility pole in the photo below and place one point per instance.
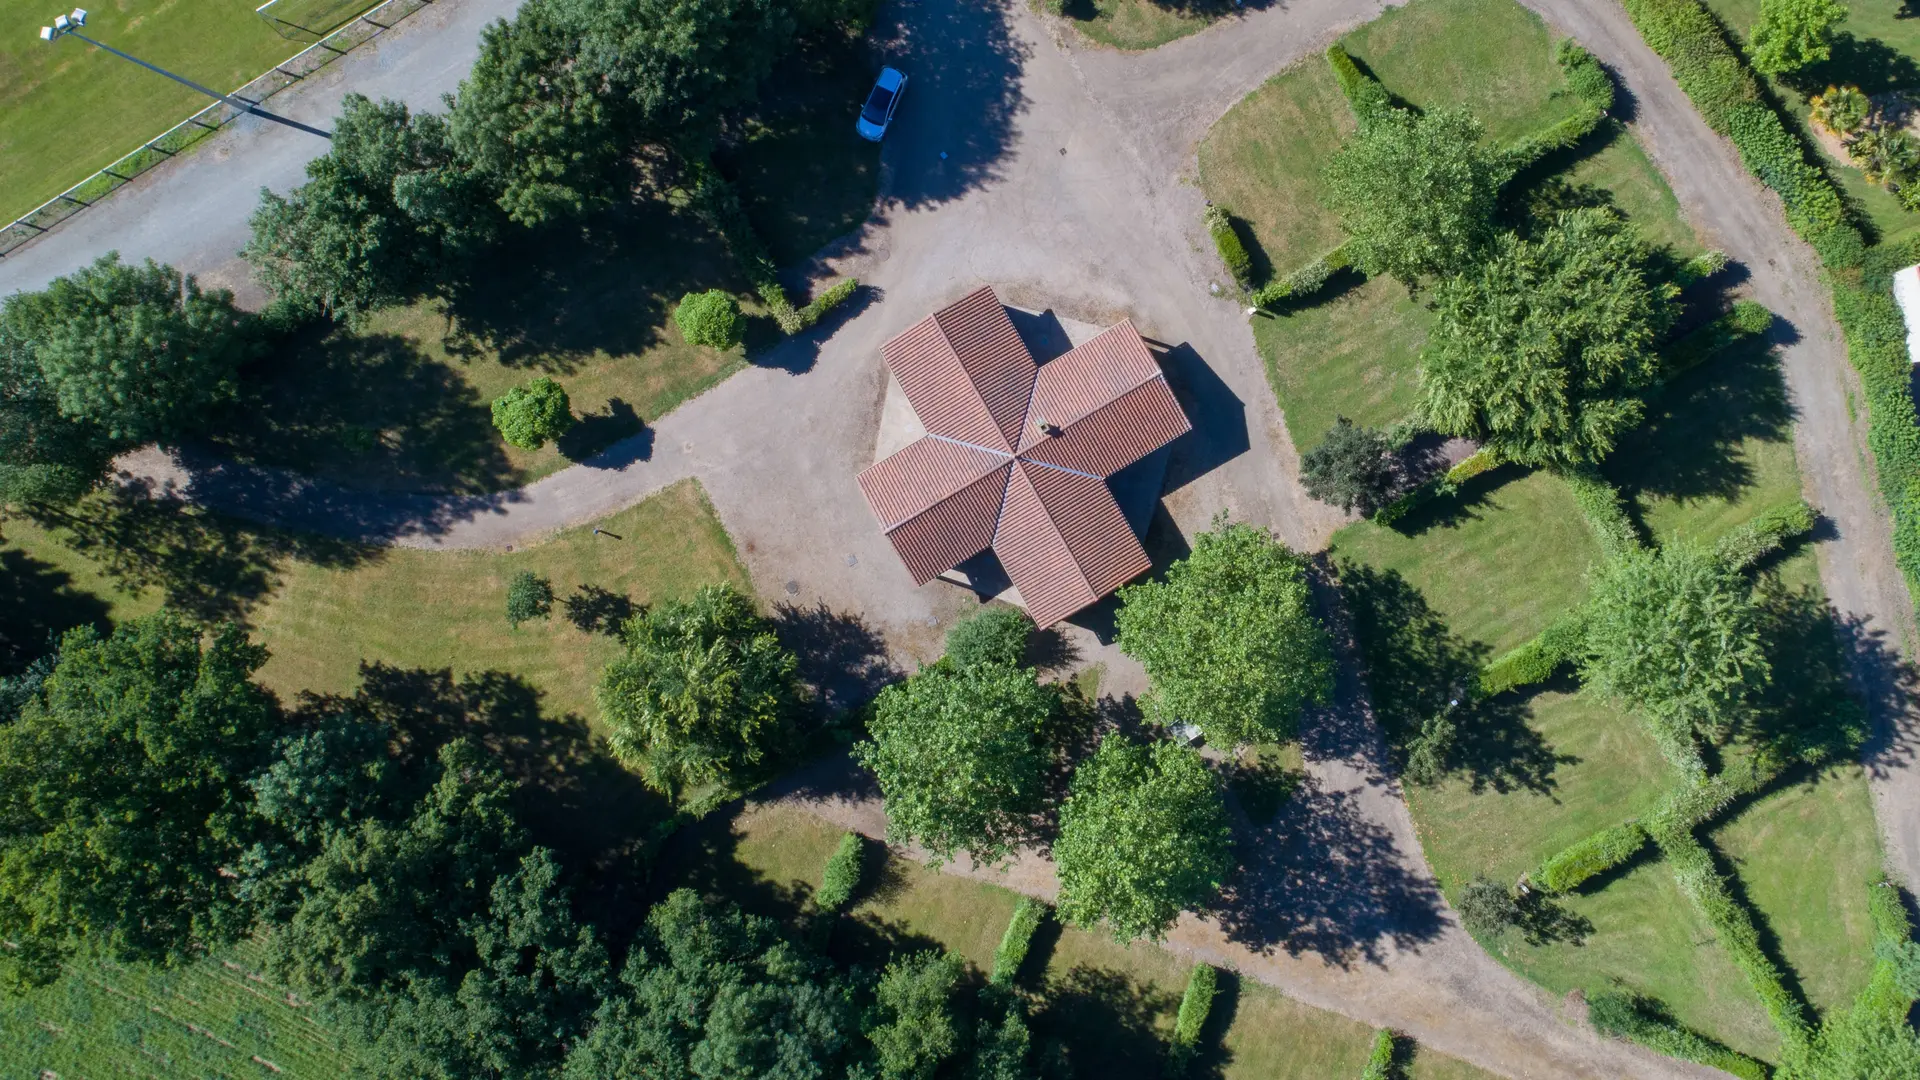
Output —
(69, 26)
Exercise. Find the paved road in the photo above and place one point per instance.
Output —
(192, 213)
(1061, 174)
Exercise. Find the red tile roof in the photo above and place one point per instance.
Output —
(986, 475)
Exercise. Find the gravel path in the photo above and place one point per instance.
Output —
(1064, 175)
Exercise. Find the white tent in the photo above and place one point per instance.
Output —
(1906, 291)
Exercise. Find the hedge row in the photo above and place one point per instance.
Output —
(1728, 95)
(1600, 504)
(1591, 85)
(1365, 96)
(1191, 1020)
(1693, 869)
(1226, 240)
(1537, 660)
(1647, 1022)
(1589, 858)
(1482, 460)
(1745, 321)
(718, 203)
(842, 876)
(1892, 930)
(1305, 281)
(1381, 1062)
(1745, 546)
(1012, 951)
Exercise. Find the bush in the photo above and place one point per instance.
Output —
(1226, 240)
(1589, 858)
(1701, 267)
(528, 597)
(1745, 320)
(1600, 504)
(1764, 535)
(1381, 1061)
(1352, 468)
(1842, 110)
(709, 318)
(1536, 660)
(1488, 908)
(1195, 1004)
(529, 415)
(1647, 1022)
(836, 294)
(992, 635)
(1368, 99)
(1586, 78)
(1012, 950)
(841, 880)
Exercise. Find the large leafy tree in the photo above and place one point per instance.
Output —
(1143, 836)
(124, 804)
(916, 1030)
(1416, 193)
(1543, 349)
(1792, 34)
(133, 353)
(1229, 638)
(1676, 635)
(704, 690)
(961, 756)
(45, 458)
(386, 214)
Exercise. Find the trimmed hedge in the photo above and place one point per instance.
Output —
(1701, 267)
(1747, 319)
(1482, 460)
(1694, 871)
(1587, 81)
(1381, 1061)
(1716, 78)
(1365, 96)
(1600, 505)
(1226, 240)
(1745, 546)
(1537, 660)
(845, 867)
(1589, 858)
(1305, 281)
(1647, 1022)
(1586, 78)
(1018, 938)
(1892, 931)
(718, 203)
(1195, 1004)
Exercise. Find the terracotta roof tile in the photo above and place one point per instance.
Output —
(953, 530)
(1117, 434)
(926, 471)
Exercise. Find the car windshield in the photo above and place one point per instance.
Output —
(877, 102)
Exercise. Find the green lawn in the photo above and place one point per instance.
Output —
(1112, 1005)
(1356, 353)
(214, 1017)
(1136, 25)
(68, 109)
(323, 609)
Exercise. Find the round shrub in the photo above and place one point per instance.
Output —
(992, 635)
(709, 318)
(530, 415)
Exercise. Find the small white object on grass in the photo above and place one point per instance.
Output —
(1253, 311)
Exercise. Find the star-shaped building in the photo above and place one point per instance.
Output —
(1017, 455)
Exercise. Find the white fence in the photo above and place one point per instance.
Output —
(178, 138)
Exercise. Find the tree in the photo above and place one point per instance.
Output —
(528, 597)
(992, 635)
(1416, 193)
(1791, 34)
(704, 690)
(1676, 635)
(387, 214)
(1488, 908)
(1229, 638)
(916, 1031)
(1143, 836)
(709, 318)
(123, 795)
(1543, 350)
(45, 458)
(961, 757)
(529, 415)
(1352, 468)
(139, 352)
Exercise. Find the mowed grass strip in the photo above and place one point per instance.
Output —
(1138, 25)
(68, 109)
(1112, 1005)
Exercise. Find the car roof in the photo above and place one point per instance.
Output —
(889, 79)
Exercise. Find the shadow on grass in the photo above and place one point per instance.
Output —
(1869, 63)
(1107, 1021)
(372, 410)
(207, 566)
(38, 603)
(1690, 447)
(1454, 511)
(570, 792)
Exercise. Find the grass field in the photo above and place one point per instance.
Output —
(1137, 25)
(68, 109)
(1112, 1005)
(322, 617)
(1356, 354)
(215, 1018)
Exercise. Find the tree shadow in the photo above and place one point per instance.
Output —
(1811, 709)
(1463, 506)
(1869, 63)
(595, 610)
(1108, 1022)
(571, 794)
(1214, 1055)
(596, 431)
(38, 603)
(206, 565)
(368, 411)
(954, 128)
(1691, 446)
(841, 657)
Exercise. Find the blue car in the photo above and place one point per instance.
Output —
(877, 113)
